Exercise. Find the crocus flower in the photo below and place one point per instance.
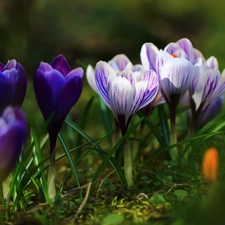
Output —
(210, 164)
(205, 92)
(119, 62)
(57, 89)
(176, 75)
(13, 84)
(13, 128)
(125, 92)
(183, 48)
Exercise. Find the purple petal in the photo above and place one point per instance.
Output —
(1, 66)
(120, 62)
(60, 63)
(11, 141)
(11, 65)
(5, 93)
(18, 84)
(69, 95)
(47, 86)
(103, 74)
(210, 112)
(148, 56)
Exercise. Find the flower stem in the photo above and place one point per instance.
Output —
(173, 135)
(51, 179)
(128, 164)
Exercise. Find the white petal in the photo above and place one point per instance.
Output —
(90, 74)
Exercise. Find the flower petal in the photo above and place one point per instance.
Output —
(60, 63)
(148, 56)
(206, 85)
(120, 62)
(176, 77)
(69, 95)
(90, 74)
(121, 95)
(104, 74)
(47, 86)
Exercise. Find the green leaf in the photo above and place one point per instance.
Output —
(113, 219)
(181, 194)
(156, 199)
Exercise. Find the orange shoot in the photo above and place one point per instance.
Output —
(210, 165)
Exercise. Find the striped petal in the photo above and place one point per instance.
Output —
(121, 95)
(120, 62)
(148, 56)
(206, 85)
(104, 73)
(176, 77)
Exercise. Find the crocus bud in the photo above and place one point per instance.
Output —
(13, 84)
(13, 129)
(210, 165)
(57, 89)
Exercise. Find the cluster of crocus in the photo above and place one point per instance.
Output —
(185, 76)
(125, 89)
(57, 89)
(176, 74)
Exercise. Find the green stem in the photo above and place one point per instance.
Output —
(51, 179)
(127, 164)
(173, 135)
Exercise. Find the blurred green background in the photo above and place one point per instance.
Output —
(86, 31)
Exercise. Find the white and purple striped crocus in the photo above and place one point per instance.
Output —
(206, 90)
(125, 91)
(176, 75)
(13, 129)
(57, 89)
(183, 48)
(13, 84)
(119, 62)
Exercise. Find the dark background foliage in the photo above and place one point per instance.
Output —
(90, 30)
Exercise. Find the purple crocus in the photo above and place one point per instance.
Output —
(57, 89)
(13, 84)
(125, 92)
(13, 129)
